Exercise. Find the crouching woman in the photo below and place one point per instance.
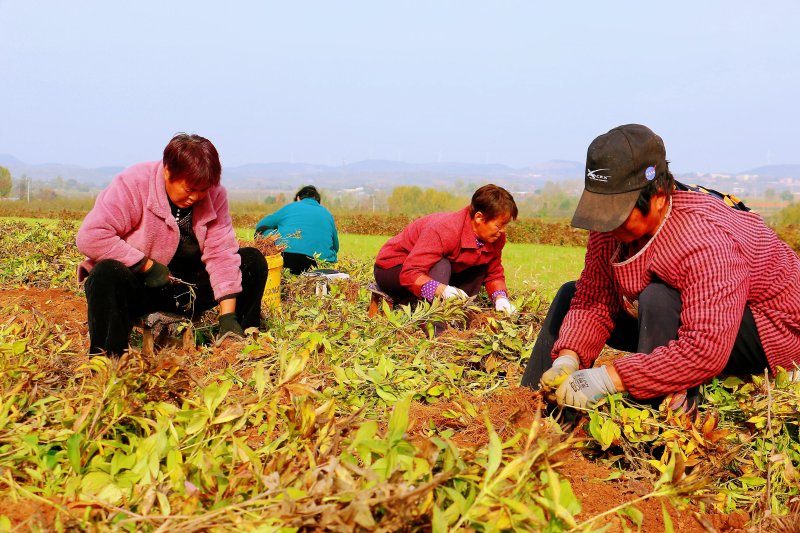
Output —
(157, 223)
(451, 255)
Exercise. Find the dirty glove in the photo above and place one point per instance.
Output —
(563, 366)
(584, 388)
(503, 305)
(156, 276)
(229, 327)
(454, 292)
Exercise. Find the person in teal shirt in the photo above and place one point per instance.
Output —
(308, 229)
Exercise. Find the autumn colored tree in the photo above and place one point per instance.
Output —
(5, 182)
(414, 201)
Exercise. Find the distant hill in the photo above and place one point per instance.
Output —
(775, 171)
(386, 174)
(374, 174)
(7, 160)
(354, 174)
(389, 174)
(51, 171)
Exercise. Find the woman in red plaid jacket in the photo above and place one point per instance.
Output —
(688, 285)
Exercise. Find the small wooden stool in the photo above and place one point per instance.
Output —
(155, 325)
(375, 302)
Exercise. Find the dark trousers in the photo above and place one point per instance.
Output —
(469, 280)
(298, 263)
(116, 297)
(658, 323)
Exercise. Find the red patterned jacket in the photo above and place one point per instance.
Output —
(720, 260)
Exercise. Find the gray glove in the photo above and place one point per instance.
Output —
(584, 388)
(564, 365)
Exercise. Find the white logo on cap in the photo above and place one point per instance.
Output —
(592, 175)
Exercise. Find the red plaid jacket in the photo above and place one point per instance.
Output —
(720, 260)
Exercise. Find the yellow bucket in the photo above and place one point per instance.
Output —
(272, 291)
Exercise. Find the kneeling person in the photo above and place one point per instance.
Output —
(451, 255)
(692, 287)
(307, 228)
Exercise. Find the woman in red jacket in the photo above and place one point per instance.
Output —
(451, 254)
(158, 222)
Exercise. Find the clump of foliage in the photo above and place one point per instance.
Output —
(790, 234)
(5, 182)
(742, 449)
(38, 255)
(788, 216)
(329, 419)
(306, 425)
(264, 444)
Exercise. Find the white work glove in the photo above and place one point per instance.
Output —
(453, 292)
(563, 366)
(584, 388)
(502, 304)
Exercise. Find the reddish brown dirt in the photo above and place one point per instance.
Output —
(598, 494)
(68, 310)
(58, 306)
(507, 410)
(28, 515)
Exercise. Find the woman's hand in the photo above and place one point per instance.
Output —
(503, 305)
(229, 327)
(584, 388)
(563, 366)
(454, 292)
(156, 275)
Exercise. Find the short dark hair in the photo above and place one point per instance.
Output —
(194, 159)
(493, 201)
(308, 191)
(664, 182)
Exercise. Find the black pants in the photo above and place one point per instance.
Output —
(116, 296)
(298, 263)
(658, 323)
(469, 280)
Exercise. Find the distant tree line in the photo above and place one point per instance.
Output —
(27, 188)
(5, 182)
(552, 201)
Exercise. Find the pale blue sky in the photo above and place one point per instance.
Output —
(108, 83)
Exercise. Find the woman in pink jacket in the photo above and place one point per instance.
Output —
(159, 222)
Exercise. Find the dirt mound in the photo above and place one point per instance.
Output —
(507, 411)
(58, 306)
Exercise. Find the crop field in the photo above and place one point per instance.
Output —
(328, 420)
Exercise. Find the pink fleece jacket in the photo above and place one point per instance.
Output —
(131, 219)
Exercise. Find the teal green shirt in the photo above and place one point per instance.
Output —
(307, 227)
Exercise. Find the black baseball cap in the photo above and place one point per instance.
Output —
(619, 164)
